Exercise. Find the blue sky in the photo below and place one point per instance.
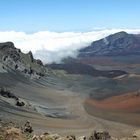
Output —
(68, 15)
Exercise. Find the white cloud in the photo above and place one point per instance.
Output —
(53, 46)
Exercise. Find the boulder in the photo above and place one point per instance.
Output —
(7, 94)
(27, 127)
(20, 103)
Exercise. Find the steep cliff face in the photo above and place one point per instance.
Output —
(14, 59)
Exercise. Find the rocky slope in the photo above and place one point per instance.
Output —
(56, 101)
(120, 43)
(13, 58)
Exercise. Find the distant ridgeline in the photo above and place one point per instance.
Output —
(120, 43)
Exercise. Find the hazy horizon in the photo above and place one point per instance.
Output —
(54, 46)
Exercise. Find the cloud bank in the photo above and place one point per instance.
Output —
(53, 46)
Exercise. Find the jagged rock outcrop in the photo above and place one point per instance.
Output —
(14, 59)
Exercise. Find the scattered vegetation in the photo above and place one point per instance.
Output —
(13, 132)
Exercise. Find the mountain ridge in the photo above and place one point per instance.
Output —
(120, 43)
(12, 58)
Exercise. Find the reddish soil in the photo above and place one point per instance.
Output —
(129, 102)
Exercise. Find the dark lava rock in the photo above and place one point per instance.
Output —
(38, 61)
(20, 103)
(79, 68)
(7, 94)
